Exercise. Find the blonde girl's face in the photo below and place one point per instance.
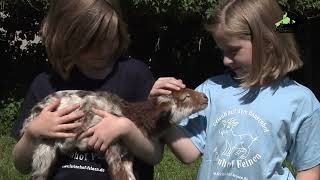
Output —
(97, 63)
(237, 53)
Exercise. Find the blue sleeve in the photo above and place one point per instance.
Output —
(195, 126)
(304, 153)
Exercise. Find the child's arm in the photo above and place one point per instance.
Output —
(178, 142)
(310, 174)
(112, 128)
(181, 145)
(151, 151)
(49, 124)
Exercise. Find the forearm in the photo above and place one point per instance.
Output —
(22, 154)
(181, 145)
(146, 149)
(310, 174)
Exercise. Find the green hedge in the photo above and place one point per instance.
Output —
(8, 110)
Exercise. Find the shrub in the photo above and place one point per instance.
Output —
(8, 112)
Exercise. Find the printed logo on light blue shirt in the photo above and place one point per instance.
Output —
(237, 142)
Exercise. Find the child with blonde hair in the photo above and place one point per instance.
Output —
(257, 117)
(85, 41)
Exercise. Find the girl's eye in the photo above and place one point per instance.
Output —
(233, 51)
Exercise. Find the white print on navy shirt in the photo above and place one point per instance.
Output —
(87, 156)
(84, 156)
(89, 168)
(236, 150)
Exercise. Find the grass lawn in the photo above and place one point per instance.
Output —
(169, 168)
(7, 171)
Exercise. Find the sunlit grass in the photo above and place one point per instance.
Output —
(170, 167)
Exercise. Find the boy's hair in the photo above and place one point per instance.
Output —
(274, 54)
(74, 26)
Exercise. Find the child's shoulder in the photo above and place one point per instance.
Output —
(216, 84)
(290, 89)
(131, 63)
(222, 80)
(42, 78)
(293, 87)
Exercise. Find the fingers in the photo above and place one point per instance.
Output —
(61, 135)
(92, 141)
(98, 144)
(71, 117)
(68, 127)
(101, 113)
(157, 92)
(103, 148)
(169, 82)
(68, 109)
(52, 106)
(165, 85)
(87, 133)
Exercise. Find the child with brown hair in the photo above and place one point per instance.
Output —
(85, 41)
(256, 116)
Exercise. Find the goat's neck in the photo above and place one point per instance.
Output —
(146, 116)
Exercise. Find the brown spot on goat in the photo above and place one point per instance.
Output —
(152, 117)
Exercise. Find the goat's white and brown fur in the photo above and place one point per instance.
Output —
(152, 117)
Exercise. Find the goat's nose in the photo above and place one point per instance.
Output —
(204, 96)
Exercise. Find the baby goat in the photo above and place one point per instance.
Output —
(152, 117)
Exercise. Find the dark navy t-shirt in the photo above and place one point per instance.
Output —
(130, 79)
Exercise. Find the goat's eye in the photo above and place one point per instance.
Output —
(185, 97)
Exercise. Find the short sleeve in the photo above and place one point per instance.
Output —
(195, 126)
(304, 153)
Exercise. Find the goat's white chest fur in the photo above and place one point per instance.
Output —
(152, 117)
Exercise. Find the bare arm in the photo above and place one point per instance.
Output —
(112, 128)
(149, 150)
(177, 141)
(181, 145)
(49, 125)
(22, 153)
(310, 174)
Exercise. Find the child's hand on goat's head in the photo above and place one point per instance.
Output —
(52, 123)
(108, 130)
(165, 85)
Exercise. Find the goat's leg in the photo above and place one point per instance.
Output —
(43, 158)
(117, 169)
(127, 163)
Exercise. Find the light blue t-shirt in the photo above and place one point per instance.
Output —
(248, 135)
